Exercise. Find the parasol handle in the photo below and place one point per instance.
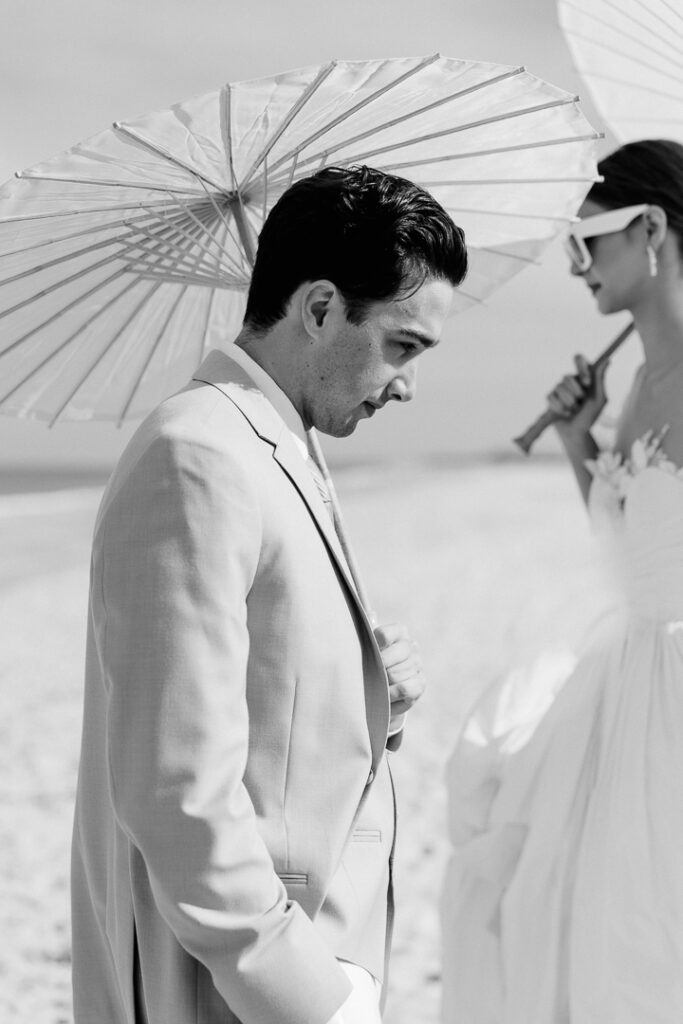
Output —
(547, 418)
(319, 459)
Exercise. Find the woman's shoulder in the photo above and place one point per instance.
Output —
(669, 409)
(655, 412)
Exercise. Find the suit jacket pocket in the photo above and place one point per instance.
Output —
(366, 835)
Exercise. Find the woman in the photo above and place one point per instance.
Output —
(564, 895)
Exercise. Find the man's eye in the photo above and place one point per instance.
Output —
(409, 347)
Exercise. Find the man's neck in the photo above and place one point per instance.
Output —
(276, 357)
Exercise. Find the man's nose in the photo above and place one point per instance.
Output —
(404, 385)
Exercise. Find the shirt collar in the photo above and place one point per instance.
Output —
(275, 395)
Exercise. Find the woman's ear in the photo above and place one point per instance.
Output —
(656, 224)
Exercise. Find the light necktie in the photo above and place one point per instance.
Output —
(322, 488)
(327, 493)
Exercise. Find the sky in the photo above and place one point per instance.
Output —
(68, 68)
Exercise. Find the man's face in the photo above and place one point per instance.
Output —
(359, 368)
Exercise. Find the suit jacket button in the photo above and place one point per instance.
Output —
(370, 777)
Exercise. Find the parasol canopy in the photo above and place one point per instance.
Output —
(630, 55)
(124, 259)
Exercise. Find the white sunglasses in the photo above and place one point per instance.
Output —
(601, 224)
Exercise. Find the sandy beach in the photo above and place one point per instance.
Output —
(488, 565)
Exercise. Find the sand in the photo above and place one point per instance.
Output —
(487, 566)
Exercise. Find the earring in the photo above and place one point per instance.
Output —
(652, 260)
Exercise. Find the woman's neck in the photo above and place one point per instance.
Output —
(659, 322)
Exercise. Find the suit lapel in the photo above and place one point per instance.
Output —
(220, 371)
(376, 696)
(223, 373)
(290, 461)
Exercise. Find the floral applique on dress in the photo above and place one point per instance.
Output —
(618, 472)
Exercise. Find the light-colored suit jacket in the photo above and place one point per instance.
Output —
(235, 814)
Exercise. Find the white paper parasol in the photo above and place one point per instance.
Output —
(630, 54)
(123, 260)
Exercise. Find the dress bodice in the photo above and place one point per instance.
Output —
(636, 506)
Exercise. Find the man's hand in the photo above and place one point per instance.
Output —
(404, 669)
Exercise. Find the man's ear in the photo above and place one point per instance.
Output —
(316, 300)
(656, 223)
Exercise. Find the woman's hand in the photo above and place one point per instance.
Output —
(578, 399)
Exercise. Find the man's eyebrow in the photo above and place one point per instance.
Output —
(424, 339)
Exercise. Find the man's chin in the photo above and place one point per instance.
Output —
(335, 430)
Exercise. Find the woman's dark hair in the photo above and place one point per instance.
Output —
(649, 171)
(374, 235)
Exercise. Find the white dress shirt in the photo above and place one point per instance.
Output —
(275, 395)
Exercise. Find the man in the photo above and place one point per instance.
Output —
(235, 817)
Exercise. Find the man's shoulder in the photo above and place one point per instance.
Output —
(221, 399)
(196, 430)
(218, 426)
(199, 414)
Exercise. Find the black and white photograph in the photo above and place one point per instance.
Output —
(309, 719)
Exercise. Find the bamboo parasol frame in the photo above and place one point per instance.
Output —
(123, 260)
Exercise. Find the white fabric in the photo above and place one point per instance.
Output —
(362, 1006)
(275, 395)
(194, 747)
(564, 895)
(127, 258)
(629, 53)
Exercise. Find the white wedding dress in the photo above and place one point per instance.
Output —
(563, 901)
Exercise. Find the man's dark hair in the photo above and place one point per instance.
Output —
(374, 235)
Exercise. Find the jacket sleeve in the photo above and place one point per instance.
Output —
(179, 547)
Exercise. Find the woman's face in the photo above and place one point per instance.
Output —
(619, 272)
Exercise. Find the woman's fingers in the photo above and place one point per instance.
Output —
(567, 397)
(573, 384)
(574, 389)
(558, 407)
(584, 370)
(578, 399)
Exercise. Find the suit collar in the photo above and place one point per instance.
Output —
(222, 372)
(280, 401)
(233, 380)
